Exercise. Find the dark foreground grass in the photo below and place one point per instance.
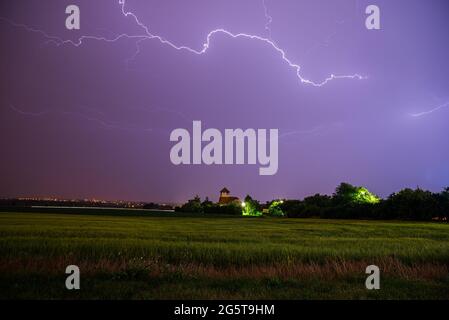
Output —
(166, 257)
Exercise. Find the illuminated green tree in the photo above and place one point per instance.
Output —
(346, 193)
(251, 207)
(275, 208)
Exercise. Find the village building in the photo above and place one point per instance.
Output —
(226, 198)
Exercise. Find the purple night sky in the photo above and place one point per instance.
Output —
(93, 120)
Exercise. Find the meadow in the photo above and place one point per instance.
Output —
(164, 256)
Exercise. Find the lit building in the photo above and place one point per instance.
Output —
(226, 198)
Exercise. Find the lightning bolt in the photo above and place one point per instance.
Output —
(147, 35)
(136, 53)
(268, 17)
(425, 113)
(104, 123)
(99, 119)
(27, 113)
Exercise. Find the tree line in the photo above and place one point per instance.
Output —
(347, 202)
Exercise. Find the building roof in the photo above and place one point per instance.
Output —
(224, 190)
(228, 200)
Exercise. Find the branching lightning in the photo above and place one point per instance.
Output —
(147, 35)
(27, 113)
(425, 113)
(100, 116)
(206, 45)
(268, 17)
(104, 123)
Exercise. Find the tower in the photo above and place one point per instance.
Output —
(226, 198)
(224, 193)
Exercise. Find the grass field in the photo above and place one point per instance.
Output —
(168, 257)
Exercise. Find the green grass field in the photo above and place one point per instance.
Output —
(168, 257)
